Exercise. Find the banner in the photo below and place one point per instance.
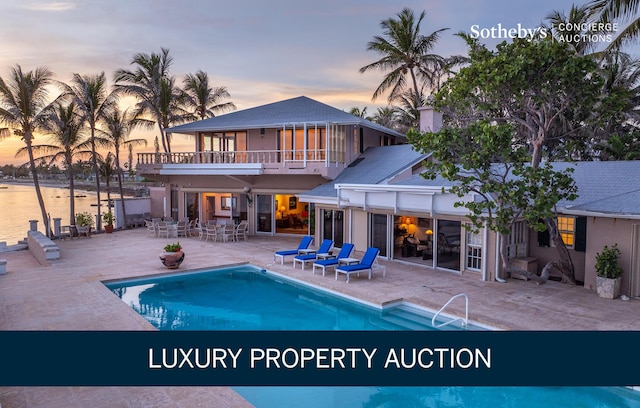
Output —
(312, 358)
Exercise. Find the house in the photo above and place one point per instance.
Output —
(384, 202)
(251, 164)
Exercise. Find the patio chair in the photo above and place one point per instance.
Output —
(198, 230)
(181, 229)
(151, 229)
(345, 252)
(227, 232)
(304, 244)
(163, 229)
(242, 230)
(324, 248)
(366, 264)
(212, 231)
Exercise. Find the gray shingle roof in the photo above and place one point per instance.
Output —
(378, 164)
(611, 187)
(296, 110)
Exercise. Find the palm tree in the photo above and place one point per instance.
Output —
(361, 113)
(64, 125)
(154, 87)
(106, 168)
(386, 117)
(23, 107)
(119, 125)
(625, 10)
(202, 98)
(405, 53)
(577, 19)
(95, 102)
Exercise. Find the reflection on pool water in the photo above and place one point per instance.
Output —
(247, 298)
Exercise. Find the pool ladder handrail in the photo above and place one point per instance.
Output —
(465, 321)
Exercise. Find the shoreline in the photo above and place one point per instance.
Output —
(130, 191)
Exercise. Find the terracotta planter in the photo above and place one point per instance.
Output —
(608, 288)
(172, 260)
(108, 229)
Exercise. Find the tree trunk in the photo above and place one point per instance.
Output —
(36, 184)
(119, 173)
(565, 266)
(72, 196)
(507, 266)
(96, 171)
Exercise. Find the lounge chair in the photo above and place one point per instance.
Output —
(324, 248)
(366, 264)
(345, 251)
(304, 244)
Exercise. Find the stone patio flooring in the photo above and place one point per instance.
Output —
(68, 295)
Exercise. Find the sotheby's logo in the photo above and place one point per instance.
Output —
(499, 31)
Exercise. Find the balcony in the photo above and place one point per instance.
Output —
(257, 162)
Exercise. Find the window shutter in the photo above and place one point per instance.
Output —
(544, 238)
(580, 243)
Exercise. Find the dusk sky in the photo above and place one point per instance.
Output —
(262, 51)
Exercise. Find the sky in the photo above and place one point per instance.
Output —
(262, 51)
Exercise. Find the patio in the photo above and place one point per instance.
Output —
(68, 295)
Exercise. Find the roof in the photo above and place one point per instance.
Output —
(605, 187)
(291, 111)
(376, 165)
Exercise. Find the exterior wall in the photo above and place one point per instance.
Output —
(360, 229)
(157, 195)
(266, 141)
(600, 232)
(609, 231)
(549, 254)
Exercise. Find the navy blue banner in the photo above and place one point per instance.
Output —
(401, 358)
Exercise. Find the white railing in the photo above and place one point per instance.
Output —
(211, 157)
(465, 321)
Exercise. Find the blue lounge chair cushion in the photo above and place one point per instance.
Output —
(304, 243)
(345, 251)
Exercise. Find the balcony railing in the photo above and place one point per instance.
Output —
(210, 157)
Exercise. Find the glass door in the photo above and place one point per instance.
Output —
(379, 232)
(333, 226)
(264, 211)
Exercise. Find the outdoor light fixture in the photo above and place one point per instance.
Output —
(247, 190)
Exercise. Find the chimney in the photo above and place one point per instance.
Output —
(430, 120)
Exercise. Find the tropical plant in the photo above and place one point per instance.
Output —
(84, 219)
(204, 99)
(24, 108)
(64, 125)
(106, 169)
(483, 162)
(94, 100)
(622, 10)
(119, 125)
(154, 87)
(108, 218)
(361, 113)
(173, 247)
(607, 262)
(405, 56)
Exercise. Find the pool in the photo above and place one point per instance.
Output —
(245, 297)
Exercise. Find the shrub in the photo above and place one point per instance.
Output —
(607, 262)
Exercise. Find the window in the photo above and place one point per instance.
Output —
(567, 230)
(517, 240)
(474, 250)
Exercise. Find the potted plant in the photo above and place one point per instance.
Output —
(108, 218)
(172, 256)
(608, 272)
(84, 222)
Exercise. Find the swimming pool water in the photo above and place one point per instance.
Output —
(245, 298)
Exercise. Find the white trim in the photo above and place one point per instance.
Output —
(584, 213)
(201, 169)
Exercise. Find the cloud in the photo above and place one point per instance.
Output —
(51, 6)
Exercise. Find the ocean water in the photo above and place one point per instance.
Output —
(19, 204)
